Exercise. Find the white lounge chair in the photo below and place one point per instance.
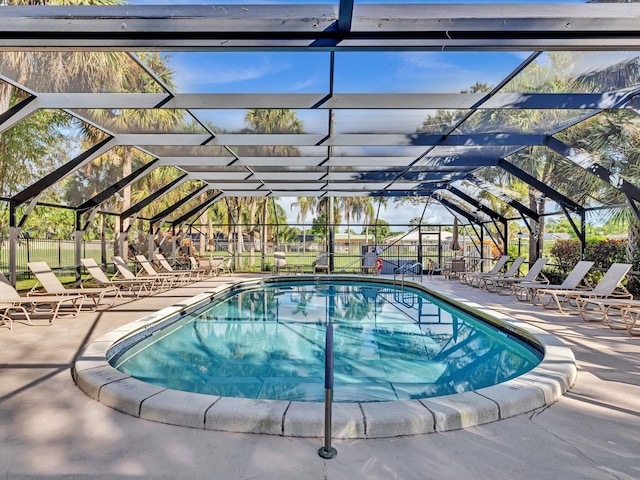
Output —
(194, 274)
(527, 290)
(631, 319)
(607, 310)
(322, 262)
(511, 272)
(506, 285)
(136, 285)
(472, 278)
(149, 271)
(607, 287)
(220, 265)
(158, 283)
(11, 302)
(281, 265)
(202, 265)
(52, 285)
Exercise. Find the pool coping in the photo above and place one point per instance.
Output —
(538, 388)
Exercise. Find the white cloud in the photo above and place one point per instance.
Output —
(193, 72)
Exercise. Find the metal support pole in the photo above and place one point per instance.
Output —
(330, 235)
(327, 451)
(14, 231)
(77, 249)
(151, 244)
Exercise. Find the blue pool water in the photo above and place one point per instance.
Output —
(267, 342)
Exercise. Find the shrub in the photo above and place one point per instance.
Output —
(603, 253)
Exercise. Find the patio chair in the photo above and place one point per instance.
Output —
(608, 287)
(472, 277)
(53, 286)
(526, 290)
(322, 262)
(158, 282)
(149, 271)
(11, 302)
(370, 263)
(452, 269)
(500, 285)
(607, 310)
(136, 285)
(220, 266)
(281, 265)
(195, 274)
(630, 317)
(203, 265)
(458, 268)
(511, 272)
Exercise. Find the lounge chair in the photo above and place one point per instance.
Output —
(53, 286)
(527, 290)
(506, 285)
(220, 266)
(511, 272)
(281, 265)
(195, 274)
(136, 285)
(607, 310)
(175, 276)
(203, 265)
(607, 287)
(158, 282)
(322, 262)
(12, 302)
(369, 263)
(631, 317)
(472, 277)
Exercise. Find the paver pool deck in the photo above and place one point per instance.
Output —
(50, 429)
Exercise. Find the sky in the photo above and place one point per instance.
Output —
(355, 72)
(435, 214)
(363, 72)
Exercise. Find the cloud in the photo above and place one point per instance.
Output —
(195, 71)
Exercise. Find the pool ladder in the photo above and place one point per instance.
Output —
(408, 268)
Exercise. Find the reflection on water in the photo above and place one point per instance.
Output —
(269, 343)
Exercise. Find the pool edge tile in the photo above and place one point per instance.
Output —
(127, 394)
(245, 415)
(178, 408)
(394, 419)
(306, 419)
(461, 410)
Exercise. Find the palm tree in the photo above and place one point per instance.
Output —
(304, 206)
(266, 121)
(134, 79)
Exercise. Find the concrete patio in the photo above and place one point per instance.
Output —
(50, 429)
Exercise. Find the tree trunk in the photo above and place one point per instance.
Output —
(633, 253)
(210, 232)
(239, 233)
(537, 205)
(126, 203)
(265, 217)
(253, 231)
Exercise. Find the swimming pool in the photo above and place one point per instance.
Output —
(267, 342)
(537, 388)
